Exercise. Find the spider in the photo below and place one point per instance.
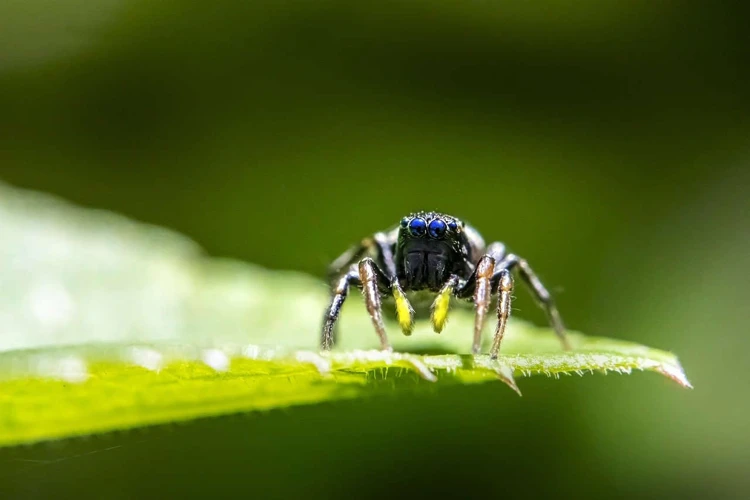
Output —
(426, 260)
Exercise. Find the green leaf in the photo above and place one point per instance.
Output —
(107, 324)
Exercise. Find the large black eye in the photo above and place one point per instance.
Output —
(437, 228)
(417, 227)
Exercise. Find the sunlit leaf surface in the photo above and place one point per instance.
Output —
(107, 324)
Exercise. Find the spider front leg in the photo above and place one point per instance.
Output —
(374, 281)
(543, 297)
(479, 287)
(502, 281)
(370, 267)
(504, 297)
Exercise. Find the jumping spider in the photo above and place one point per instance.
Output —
(431, 255)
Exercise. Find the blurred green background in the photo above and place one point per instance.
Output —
(605, 142)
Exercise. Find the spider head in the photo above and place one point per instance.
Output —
(430, 246)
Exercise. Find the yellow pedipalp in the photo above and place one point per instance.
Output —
(404, 312)
(440, 308)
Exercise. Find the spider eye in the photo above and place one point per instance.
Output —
(404, 222)
(452, 225)
(437, 228)
(417, 227)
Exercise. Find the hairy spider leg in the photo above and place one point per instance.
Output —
(482, 297)
(328, 337)
(479, 287)
(340, 285)
(540, 293)
(502, 282)
(504, 297)
(373, 281)
(380, 247)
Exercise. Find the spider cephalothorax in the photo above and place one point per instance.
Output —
(430, 247)
(439, 254)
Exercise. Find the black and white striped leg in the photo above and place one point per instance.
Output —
(328, 337)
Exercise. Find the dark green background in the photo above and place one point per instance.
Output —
(605, 142)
